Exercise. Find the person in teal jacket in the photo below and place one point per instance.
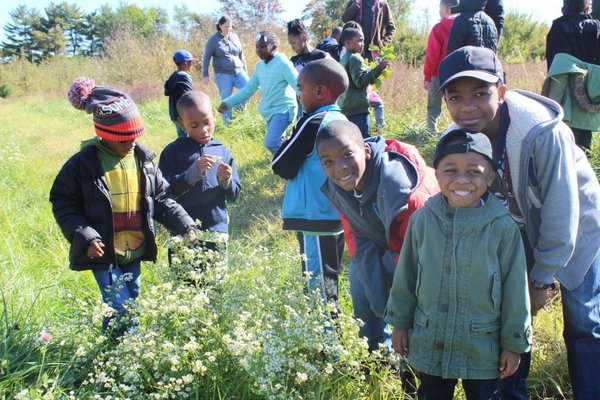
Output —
(459, 301)
(277, 78)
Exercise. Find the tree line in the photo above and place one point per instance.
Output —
(63, 29)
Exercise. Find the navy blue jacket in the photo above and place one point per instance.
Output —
(493, 8)
(202, 197)
(178, 83)
(473, 28)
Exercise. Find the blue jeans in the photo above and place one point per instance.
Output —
(276, 127)
(374, 328)
(119, 287)
(180, 130)
(225, 83)
(437, 388)
(363, 123)
(581, 310)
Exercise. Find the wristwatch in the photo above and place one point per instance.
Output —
(540, 286)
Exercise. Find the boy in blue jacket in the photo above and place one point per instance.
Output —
(199, 168)
(305, 208)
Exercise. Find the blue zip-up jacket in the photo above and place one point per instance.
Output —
(203, 197)
(305, 207)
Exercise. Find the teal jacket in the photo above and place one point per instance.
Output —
(355, 100)
(277, 81)
(560, 86)
(460, 289)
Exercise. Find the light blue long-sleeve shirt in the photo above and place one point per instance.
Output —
(277, 80)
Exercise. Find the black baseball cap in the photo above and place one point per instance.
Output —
(461, 141)
(473, 62)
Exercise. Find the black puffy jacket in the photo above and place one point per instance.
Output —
(82, 207)
(576, 34)
(473, 29)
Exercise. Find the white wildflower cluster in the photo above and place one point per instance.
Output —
(252, 332)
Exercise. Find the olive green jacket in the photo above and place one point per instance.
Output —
(460, 289)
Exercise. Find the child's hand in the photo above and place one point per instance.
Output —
(190, 235)
(538, 299)
(509, 362)
(222, 107)
(205, 163)
(400, 341)
(383, 64)
(96, 249)
(224, 172)
(426, 85)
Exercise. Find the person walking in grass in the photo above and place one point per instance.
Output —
(305, 208)
(459, 303)
(105, 197)
(229, 64)
(179, 83)
(437, 44)
(277, 78)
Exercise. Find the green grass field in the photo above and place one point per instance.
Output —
(254, 335)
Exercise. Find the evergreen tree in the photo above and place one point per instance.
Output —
(23, 34)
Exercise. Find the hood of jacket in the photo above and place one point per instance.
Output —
(171, 83)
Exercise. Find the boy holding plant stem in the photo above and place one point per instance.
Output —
(200, 168)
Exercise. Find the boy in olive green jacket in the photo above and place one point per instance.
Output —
(449, 303)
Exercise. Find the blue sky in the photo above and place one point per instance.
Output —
(540, 10)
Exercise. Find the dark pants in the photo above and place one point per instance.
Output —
(515, 386)
(363, 123)
(437, 388)
(323, 258)
(583, 138)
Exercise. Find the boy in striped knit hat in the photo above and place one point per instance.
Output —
(105, 197)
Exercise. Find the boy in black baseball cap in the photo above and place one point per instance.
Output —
(552, 192)
(462, 263)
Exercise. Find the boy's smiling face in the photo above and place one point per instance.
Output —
(464, 178)
(344, 161)
(473, 104)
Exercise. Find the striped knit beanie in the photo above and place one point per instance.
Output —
(116, 117)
